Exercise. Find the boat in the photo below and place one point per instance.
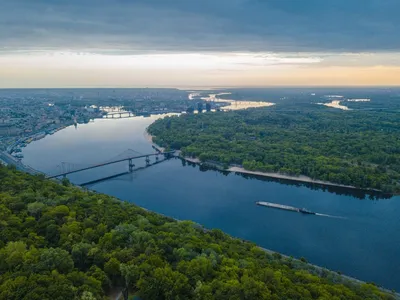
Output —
(306, 211)
(285, 207)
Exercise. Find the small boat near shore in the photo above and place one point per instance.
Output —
(286, 207)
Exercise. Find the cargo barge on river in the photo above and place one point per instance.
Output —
(285, 207)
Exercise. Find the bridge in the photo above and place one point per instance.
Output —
(122, 114)
(129, 156)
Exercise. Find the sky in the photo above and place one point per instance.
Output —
(199, 43)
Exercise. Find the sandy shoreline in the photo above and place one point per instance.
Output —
(149, 138)
(192, 160)
(300, 178)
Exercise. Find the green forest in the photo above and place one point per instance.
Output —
(58, 241)
(357, 148)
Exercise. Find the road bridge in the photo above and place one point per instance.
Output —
(119, 115)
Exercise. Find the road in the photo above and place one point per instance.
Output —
(10, 160)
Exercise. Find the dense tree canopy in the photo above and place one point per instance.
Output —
(62, 242)
(358, 148)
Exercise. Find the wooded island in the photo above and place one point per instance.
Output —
(355, 148)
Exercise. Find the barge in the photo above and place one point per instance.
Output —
(286, 207)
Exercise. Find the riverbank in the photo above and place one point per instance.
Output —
(149, 138)
(320, 271)
(300, 178)
(8, 159)
(23, 141)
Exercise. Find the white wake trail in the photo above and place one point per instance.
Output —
(329, 216)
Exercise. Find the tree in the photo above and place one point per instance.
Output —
(112, 269)
(12, 255)
(131, 275)
(59, 211)
(80, 255)
(87, 296)
(164, 283)
(254, 289)
(65, 181)
(56, 259)
(36, 208)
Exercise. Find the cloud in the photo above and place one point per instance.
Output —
(162, 26)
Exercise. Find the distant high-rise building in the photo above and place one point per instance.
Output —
(200, 107)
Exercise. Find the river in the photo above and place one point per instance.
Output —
(363, 243)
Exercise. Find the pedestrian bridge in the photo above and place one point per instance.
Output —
(129, 156)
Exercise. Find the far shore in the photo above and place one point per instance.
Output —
(300, 178)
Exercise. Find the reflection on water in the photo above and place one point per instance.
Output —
(230, 104)
(359, 194)
(236, 105)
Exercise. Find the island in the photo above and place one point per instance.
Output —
(305, 142)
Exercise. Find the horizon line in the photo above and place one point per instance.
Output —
(201, 87)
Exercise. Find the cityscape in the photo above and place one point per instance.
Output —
(27, 116)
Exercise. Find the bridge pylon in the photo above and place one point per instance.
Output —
(147, 160)
(131, 165)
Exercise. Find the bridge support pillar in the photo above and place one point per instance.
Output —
(147, 160)
(131, 165)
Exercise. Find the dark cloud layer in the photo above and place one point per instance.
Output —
(129, 26)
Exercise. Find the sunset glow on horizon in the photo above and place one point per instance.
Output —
(219, 43)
